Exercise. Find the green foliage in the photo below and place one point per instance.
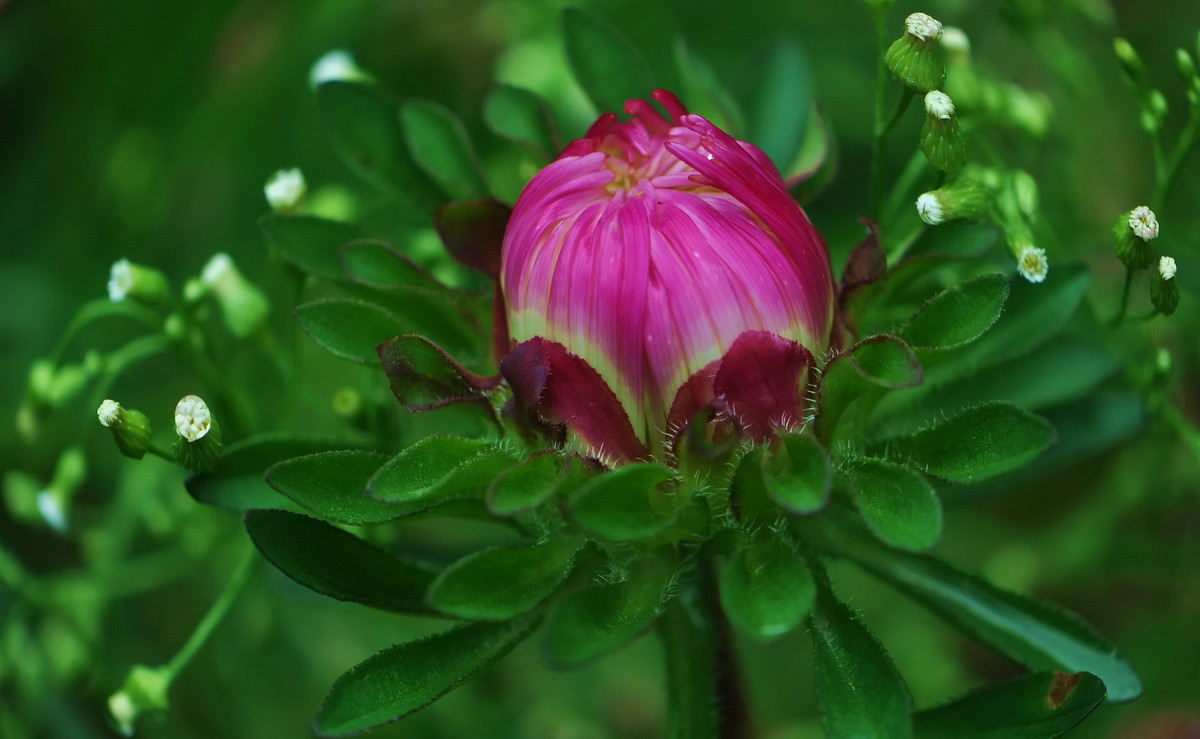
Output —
(766, 589)
(896, 503)
(348, 328)
(499, 584)
(524, 117)
(589, 623)
(1042, 704)
(604, 62)
(630, 502)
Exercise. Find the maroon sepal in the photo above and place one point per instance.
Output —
(423, 376)
(553, 388)
(473, 232)
(760, 380)
(866, 264)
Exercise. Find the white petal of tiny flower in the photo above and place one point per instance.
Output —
(120, 280)
(939, 105)
(192, 419)
(923, 26)
(108, 413)
(1032, 264)
(335, 65)
(285, 189)
(929, 208)
(1143, 222)
(217, 268)
(1166, 267)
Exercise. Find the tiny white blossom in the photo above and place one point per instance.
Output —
(1166, 268)
(954, 39)
(923, 26)
(333, 66)
(217, 269)
(939, 105)
(120, 280)
(51, 508)
(285, 189)
(1143, 222)
(930, 208)
(109, 413)
(192, 419)
(1032, 263)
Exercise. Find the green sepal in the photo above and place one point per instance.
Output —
(628, 503)
(766, 589)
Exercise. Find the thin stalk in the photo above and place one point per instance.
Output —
(216, 613)
(881, 134)
(1117, 319)
(1167, 171)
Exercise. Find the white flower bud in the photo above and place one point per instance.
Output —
(1143, 222)
(923, 27)
(336, 65)
(286, 189)
(1166, 268)
(120, 280)
(192, 418)
(929, 208)
(109, 413)
(939, 105)
(954, 40)
(129, 280)
(1032, 264)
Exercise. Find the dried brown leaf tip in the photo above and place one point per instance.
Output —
(1061, 687)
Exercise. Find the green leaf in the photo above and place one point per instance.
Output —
(897, 504)
(978, 443)
(592, 622)
(525, 486)
(437, 469)
(337, 564)
(365, 128)
(407, 677)
(376, 263)
(958, 315)
(798, 474)
(439, 145)
(704, 92)
(859, 691)
(766, 589)
(1035, 706)
(604, 62)
(1034, 633)
(959, 239)
(236, 483)
(887, 361)
(779, 120)
(523, 117)
(346, 328)
(312, 244)
(423, 377)
(501, 583)
(333, 485)
(627, 503)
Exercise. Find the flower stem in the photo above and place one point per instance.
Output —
(1117, 319)
(1167, 171)
(881, 134)
(703, 687)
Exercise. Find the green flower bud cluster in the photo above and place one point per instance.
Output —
(914, 57)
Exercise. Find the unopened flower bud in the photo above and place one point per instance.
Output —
(1032, 263)
(1164, 288)
(198, 442)
(52, 386)
(130, 428)
(961, 199)
(144, 691)
(129, 280)
(336, 66)
(1133, 233)
(1025, 192)
(285, 190)
(941, 139)
(1131, 63)
(913, 58)
(1186, 66)
(243, 305)
(956, 44)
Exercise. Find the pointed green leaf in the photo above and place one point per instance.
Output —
(437, 469)
(523, 117)
(440, 147)
(422, 376)
(798, 474)
(592, 622)
(604, 62)
(407, 677)
(627, 503)
(333, 485)
(766, 589)
(346, 328)
(312, 244)
(1034, 633)
(376, 263)
(704, 92)
(978, 443)
(858, 688)
(525, 486)
(1036, 706)
(779, 121)
(337, 564)
(898, 504)
(365, 128)
(957, 315)
(498, 584)
(236, 483)
(887, 361)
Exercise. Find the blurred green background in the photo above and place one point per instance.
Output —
(146, 130)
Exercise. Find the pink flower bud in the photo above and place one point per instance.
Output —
(648, 248)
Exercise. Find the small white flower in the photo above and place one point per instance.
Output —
(217, 269)
(1143, 222)
(120, 280)
(1032, 263)
(939, 105)
(285, 189)
(930, 208)
(109, 413)
(51, 508)
(1166, 268)
(192, 419)
(923, 26)
(333, 66)
(954, 39)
